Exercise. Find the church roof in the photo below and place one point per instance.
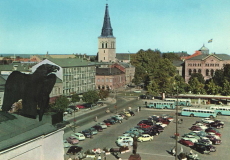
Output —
(70, 62)
(107, 30)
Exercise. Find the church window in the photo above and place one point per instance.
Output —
(212, 72)
(104, 51)
(207, 72)
(106, 45)
(104, 58)
(194, 71)
(199, 70)
(189, 71)
(102, 45)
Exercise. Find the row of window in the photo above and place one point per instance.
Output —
(207, 65)
(105, 45)
(207, 72)
(199, 111)
(78, 69)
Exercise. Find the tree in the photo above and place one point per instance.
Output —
(196, 86)
(75, 98)
(218, 78)
(103, 93)
(212, 88)
(171, 56)
(60, 105)
(199, 77)
(226, 88)
(91, 96)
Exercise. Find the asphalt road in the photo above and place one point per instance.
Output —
(156, 149)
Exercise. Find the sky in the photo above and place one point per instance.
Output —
(73, 26)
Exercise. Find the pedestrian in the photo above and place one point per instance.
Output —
(137, 110)
(124, 110)
(129, 108)
(91, 135)
(96, 119)
(99, 157)
(173, 151)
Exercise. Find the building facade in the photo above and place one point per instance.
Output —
(77, 75)
(205, 64)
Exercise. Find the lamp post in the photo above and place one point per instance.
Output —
(176, 134)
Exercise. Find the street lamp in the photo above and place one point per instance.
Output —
(176, 134)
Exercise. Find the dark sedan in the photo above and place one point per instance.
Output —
(74, 150)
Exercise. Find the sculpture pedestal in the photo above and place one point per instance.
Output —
(135, 157)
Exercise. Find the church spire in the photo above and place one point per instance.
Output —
(107, 30)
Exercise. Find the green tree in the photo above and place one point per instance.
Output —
(226, 88)
(90, 96)
(153, 89)
(103, 93)
(212, 88)
(75, 98)
(196, 86)
(199, 77)
(60, 105)
(171, 56)
(218, 78)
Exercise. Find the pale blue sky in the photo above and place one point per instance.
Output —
(73, 26)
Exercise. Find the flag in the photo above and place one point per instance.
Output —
(210, 41)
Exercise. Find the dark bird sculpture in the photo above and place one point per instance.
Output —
(32, 89)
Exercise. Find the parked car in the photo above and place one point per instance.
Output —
(80, 106)
(145, 137)
(214, 130)
(207, 120)
(74, 149)
(98, 128)
(93, 131)
(110, 120)
(127, 114)
(131, 113)
(137, 91)
(145, 122)
(205, 141)
(124, 138)
(161, 124)
(158, 127)
(142, 125)
(66, 144)
(190, 138)
(103, 125)
(87, 133)
(72, 140)
(201, 125)
(187, 143)
(108, 123)
(214, 139)
(195, 128)
(79, 136)
(163, 120)
(124, 143)
(152, 132)
(216, 125)
(204, 148)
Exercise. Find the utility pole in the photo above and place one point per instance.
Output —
(176, 134)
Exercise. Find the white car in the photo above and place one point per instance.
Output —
(103, 125)
(190, 138)
(213, 134)
(124, 138)
(161, 124)
(124, 143)
(119, 117)
(207, 120)
(79, 136)
(208, 142)
(145, 137)
(202, 126)
(137, 91)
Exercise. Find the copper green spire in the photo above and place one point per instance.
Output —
(107, 30)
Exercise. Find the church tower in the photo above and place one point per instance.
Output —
(106, 42)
